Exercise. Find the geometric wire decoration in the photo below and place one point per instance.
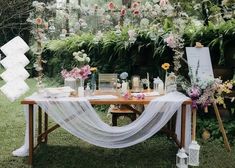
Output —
(14, 64)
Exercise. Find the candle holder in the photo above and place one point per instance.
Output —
(136, 85)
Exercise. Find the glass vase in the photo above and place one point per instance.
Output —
(81, 92)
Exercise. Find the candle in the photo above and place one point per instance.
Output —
(81, 91)
(148, 80)
(124, 87)
(136, 81)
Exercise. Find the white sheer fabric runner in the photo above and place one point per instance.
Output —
(77, 116)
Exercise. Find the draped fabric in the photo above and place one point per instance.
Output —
(77, 116)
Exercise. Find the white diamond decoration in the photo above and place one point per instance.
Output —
(14, 64)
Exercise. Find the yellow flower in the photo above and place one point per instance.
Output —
(166, 66)
(93, 69)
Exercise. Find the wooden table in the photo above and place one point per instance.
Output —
(43, 134)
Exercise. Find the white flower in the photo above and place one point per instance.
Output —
(82, 23)
(108, 17)
(144, 22)
(132, 35)
(155, 1)
(84, 55)
(171, 41)
(197, 23)
(88, 59)
(75, 54)
(148, 6)
(80, 59)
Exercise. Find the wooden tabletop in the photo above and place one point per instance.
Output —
(119, 100)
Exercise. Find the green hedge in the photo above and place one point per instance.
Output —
(113, 54)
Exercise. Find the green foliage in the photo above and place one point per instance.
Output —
(216, 37)
(113, 52)
(211, 125)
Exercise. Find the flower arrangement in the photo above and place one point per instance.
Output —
(81, 59)
(205, 92)
(77, 73)
(222, 90)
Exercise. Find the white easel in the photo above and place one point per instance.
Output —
(194, 112)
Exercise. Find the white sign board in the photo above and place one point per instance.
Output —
(199, 60)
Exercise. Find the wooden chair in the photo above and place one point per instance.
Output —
(117, 112)
(107, 83)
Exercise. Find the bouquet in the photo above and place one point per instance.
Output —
(205, 92)
(81, 59)
(77, 73)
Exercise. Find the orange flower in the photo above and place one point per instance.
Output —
(165, 66)
(38, 21)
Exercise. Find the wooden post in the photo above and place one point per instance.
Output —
(221, 127)
(45, 125)
(39, 123)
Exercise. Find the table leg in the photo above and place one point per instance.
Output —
(183, 125)
(45, 125)
(39, 123)
(31, 136)
(194, 111)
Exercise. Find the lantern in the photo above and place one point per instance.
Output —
(181, 159)
(194, 153)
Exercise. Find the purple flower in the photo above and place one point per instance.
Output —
(140, 96)
(194, 92)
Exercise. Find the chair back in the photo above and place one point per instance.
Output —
(107, 82)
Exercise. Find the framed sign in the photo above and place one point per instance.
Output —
(199, 62)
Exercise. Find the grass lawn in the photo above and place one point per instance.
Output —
(66, 151)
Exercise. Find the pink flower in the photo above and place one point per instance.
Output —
(140, 96)
(84, 72)
(135, 5)
(136, 12)
(123, 12)
(170, 40)
(163, 3)
(38, 21)
(111, 6)
(65, 74)
(127, 95)
(77, 73)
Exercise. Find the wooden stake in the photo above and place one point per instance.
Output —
(221, 127)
